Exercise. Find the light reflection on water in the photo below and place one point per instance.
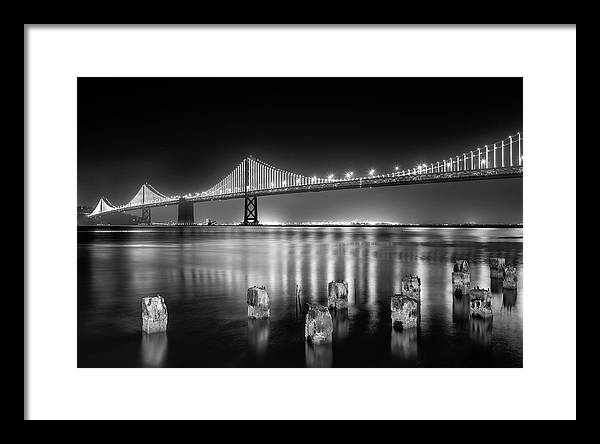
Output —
(203, 273)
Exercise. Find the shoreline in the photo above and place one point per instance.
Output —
(95, 227)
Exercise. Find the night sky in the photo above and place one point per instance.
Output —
(183, 135)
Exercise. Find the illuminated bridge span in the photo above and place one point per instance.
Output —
(252, 178)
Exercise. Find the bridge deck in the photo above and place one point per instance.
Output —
(363, 182)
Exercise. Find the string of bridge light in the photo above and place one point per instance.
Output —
(476, 159)
(261, 176)
(507, 152)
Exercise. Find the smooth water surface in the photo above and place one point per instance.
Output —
(204, 272)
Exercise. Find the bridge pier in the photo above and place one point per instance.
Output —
(185, 212)
(250, 211)
(146, 216)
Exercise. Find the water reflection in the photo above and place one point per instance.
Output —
(509, 298)
(460, 310)
(154, 349)
(404, 346)
(318, 355)
(204, 273)
(496, 285)
(258, 336)
(341, 324)
(481, 331)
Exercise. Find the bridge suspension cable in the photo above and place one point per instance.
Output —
(147, 194)
(102, 206)
(252, 175)
(255, 175)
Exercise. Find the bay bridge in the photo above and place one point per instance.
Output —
(253, 178)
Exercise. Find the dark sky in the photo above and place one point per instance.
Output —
(184, 134)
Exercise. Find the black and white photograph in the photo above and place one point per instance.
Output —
(300, 222)
(222, 211)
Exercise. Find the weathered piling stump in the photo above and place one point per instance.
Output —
(510, 277)
(461, 278)
(406, 306)
(318, 328)
(405, 311)
(481, 303)
(337, 294)
(497, 267)
(259, 306)
(154, 314)
(411, 286)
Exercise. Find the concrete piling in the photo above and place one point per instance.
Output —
(510, 277)
(497, 267)
(411, 286)
(259, 306)
(318, 328)
(461, 278)
(405, 311)
(337, 294)
(154, 314)
(406, 306)
(481, 303)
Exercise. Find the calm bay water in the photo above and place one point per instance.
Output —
(203, 273)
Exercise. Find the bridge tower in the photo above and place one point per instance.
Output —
(250, 202)
(146, 216)
(146, 212)
(185, 212)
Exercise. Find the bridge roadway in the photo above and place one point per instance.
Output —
(361, 182)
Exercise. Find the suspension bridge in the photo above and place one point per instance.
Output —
(253, 178)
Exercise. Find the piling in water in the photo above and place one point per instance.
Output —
(318, 328)
(154, 314)
(461, 278)
(481, 303)
(259, 306)
(510, 277)
(405, 311)
(497, 267)
(411, 286)
(406, 306)
(337, 294)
